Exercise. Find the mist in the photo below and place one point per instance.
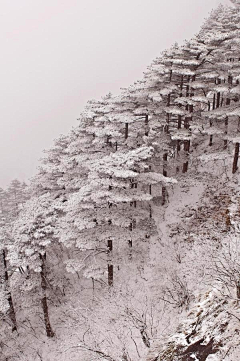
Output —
(56, 55)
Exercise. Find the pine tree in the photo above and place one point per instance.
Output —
(34, 233)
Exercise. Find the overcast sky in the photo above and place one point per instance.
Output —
(57, 54)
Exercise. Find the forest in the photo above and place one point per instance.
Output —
(125, 244)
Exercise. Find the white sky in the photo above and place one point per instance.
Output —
(57, 54)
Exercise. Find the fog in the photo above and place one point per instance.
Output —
(57, 54)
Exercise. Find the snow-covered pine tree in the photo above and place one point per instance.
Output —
(11, 203)
(34, 234)
(97, 186)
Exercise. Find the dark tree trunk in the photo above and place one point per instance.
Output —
(167, 124)
(168, 100)
(150, 211)
(166, 129)
(238, 290)
(11, 312)
(130, 243)
(179, 122)
(214, 101)
(187, 91)
(186, 123)
(178, 145)
(211, 136)
(228, 101)
(191, 94)
(126, 130)
(110, 265)
(211, 141)
(235, 160)
(187, 149)
(226, 131)
(185, 167)
(165, 157)
(150, 207)
(110, 275)
(146, 125)
(218, 100)
(164, 189)
(187, 145)
(43, 273)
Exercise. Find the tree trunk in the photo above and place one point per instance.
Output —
(187, 145)
(164, 189)
(186, 123)
(43, 274)
(168, 100)
(211, 141)
(218, 100)
(166, 128)
(235, 160)
(185, 167)
(11, 312)
(228, 101)
(150, 207)
(178, 145)
(179, 122)
(126, 130)
(130, 243)
(110, 265)
(167, 124)
(187, 149)
(146, 125)
(226, 131)
(214, 101)
(211, 136)
(187, 94)
(238, 290)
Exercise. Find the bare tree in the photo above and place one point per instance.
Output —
(225, 266)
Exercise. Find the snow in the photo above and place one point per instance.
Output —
(164, 220)
(155, 178)
(181, 134)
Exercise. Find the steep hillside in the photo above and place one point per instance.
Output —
(210, 332)
(127, 245)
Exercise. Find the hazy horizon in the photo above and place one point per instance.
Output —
(59, 54)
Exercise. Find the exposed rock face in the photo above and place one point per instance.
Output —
(210, 333)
